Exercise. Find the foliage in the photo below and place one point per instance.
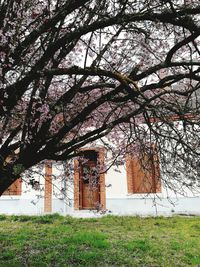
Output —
(75, 71)
(107, 241)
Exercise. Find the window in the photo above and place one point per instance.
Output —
(143, 175)
(14, 189)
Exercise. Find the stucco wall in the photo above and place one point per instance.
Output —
(118, 201)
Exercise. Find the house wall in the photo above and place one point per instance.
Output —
(29, 202)
(118, 201)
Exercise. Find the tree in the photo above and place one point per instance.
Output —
(75, 71)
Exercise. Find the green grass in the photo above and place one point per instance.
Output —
(53, 240)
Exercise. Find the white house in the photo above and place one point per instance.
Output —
(128, 191)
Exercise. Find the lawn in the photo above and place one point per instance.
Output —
(53, 240)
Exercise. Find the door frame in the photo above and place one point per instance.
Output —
(77, 181)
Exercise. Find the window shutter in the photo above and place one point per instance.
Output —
(143, 176)
(129, 173)
(14, 189)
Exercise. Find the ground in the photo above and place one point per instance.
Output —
(53, 240)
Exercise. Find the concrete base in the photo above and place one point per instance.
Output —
(115, 206)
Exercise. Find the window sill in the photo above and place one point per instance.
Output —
(13, 197)
(144, 195)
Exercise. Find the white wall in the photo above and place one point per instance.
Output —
(118, 201)
(168, 202)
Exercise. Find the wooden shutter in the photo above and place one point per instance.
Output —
(14, 189)
(129, 173)
(143, 176)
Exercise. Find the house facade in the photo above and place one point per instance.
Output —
(128, 190)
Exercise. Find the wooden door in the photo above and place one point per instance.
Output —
(89, 185)
(89, 194)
